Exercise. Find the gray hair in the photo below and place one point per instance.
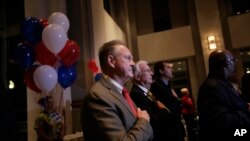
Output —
(137, 68)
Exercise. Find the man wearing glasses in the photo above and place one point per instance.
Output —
(222, 112)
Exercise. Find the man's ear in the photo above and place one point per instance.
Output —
(137, 77)
(111, 61)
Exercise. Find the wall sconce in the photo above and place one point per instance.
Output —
(211, 42)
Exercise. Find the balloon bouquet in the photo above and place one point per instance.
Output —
(46, 53)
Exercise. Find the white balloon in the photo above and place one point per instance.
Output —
(54, 38)
(60, 19)
(45, 78)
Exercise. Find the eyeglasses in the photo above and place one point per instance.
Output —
(232, 60)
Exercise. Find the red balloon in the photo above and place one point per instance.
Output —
(43, 55)
(92, 66)
(44, 22)
(70, 53)
(29, 81)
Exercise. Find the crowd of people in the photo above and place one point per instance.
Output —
(106, 113)
(155, 113)
(152, 110)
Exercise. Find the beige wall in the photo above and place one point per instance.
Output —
(170, 44)
(43, 8)
(239, 30)
(209, 24)
(144, 18)
(32, 111)
(104, 27)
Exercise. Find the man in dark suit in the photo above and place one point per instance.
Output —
(161, 89)
(141, 95)
(222, 113)
(245, 89)
(106, 115)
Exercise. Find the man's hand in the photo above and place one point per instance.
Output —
(143, 114)
(162, 106)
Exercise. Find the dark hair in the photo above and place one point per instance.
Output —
(107, 49)
(44, 100)
(157, 67)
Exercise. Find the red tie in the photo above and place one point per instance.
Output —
(129, 100)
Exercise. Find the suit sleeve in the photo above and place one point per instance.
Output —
(222, 108)
(108, 119)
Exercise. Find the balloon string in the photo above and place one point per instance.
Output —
(60, 101)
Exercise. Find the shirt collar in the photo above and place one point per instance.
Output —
(165, 81)
(120, 87)
(145, 90)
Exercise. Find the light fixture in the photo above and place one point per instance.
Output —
(248, 70)
(211, 42)
(11, 84)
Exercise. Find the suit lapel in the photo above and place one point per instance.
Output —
(113, 91)
(228, 87)
(232, 93)
(137, 88)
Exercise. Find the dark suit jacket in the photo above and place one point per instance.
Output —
(158, 117)
(106, 116)
(163, 93)
(221, 110)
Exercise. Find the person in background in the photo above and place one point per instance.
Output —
(245, 84)
(108, 113)
(188, 112)
(161, 89)
(49, 125)
(220, 108)
(143, 98)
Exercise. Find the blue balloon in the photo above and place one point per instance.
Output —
(98, 76)
(24, 55)
(66, 75)
(31, 30)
